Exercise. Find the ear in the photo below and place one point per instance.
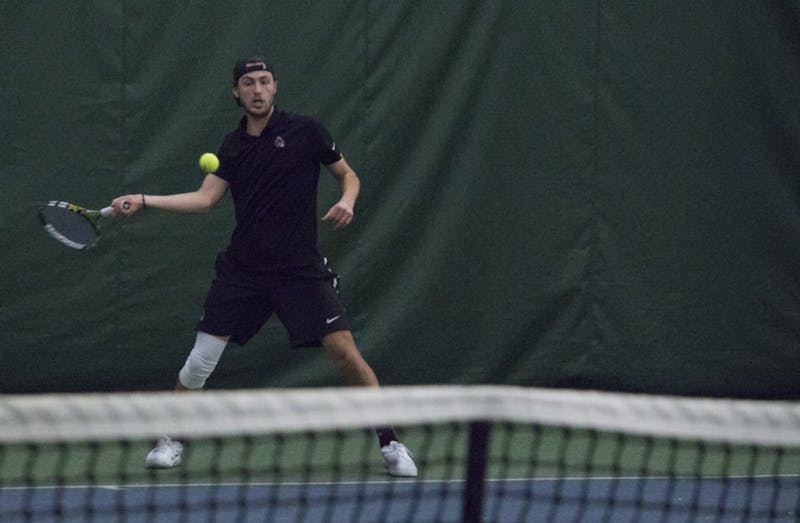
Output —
(235, 93)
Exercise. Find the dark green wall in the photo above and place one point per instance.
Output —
(582, 194)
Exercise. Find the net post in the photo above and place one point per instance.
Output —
(476, 472)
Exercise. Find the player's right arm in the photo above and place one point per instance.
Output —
(202, 200)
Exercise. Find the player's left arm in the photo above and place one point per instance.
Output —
(341, 214)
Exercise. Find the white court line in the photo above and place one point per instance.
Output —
(400, 481)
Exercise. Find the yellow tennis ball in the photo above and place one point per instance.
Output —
(209, 163)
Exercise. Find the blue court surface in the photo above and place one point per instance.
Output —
(640, 500)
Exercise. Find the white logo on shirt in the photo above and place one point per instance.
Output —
(279, 143)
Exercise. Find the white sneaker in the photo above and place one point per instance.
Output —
(399, 460)
(166, 454)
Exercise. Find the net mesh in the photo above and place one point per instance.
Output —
(484, 454)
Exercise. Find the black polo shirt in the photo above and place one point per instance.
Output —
(273, 180)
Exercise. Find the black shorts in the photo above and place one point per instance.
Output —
(309, 308)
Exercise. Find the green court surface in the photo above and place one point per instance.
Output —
(514, 453)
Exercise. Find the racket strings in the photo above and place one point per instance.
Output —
(70, 224)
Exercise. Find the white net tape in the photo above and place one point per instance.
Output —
(75, 417)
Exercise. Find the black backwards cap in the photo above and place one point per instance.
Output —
(248, 65)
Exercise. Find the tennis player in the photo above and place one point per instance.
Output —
(271, 164)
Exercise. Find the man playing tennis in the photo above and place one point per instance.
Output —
(271, 164)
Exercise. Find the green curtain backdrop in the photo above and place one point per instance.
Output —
(562, 194)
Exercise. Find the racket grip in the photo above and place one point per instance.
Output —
(105, 212)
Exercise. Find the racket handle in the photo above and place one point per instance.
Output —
(105, 212)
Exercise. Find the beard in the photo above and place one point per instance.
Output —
(259, 109)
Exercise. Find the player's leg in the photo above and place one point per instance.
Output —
(313, 315)
(342, 350)
(235, 310)
(201, 362)
(231, 313)
(355, 371)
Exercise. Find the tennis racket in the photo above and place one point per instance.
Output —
(71, 224)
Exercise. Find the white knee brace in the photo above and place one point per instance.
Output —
(201, 361)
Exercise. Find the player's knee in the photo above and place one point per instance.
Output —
(342, 349)
(201, 361)
(196, 371)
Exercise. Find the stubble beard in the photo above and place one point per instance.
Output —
(261, 111)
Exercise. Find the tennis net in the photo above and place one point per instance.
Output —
(484, 453)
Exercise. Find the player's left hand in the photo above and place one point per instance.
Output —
(340, 215)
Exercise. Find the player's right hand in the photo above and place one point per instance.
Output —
(127, 205)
